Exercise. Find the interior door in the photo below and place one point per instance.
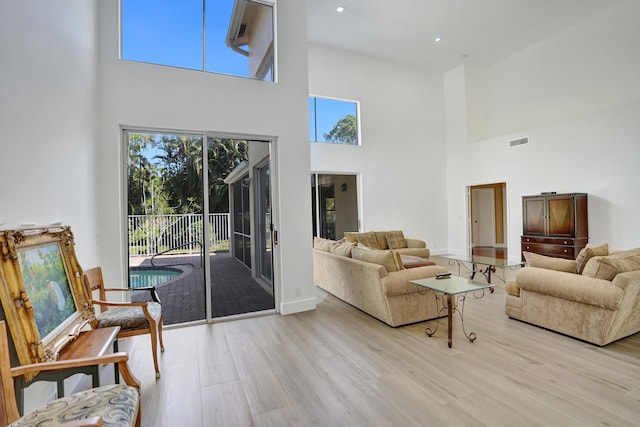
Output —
(483, 217)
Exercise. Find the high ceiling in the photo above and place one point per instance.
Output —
(475, 31)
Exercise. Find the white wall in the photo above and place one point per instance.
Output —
(401, 159)
(47, 118)
(143, 95)
(577, 97)
(48, 84)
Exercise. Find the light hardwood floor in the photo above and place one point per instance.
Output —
(336, 366)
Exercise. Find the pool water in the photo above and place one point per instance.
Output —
(141, 278)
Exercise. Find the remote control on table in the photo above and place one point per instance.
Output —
(443, 276)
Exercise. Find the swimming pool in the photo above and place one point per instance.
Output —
(141, 277)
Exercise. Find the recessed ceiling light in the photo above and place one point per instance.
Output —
(340, 9)
(437, 39)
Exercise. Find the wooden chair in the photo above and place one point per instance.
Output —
(134, 318)
(110, 405)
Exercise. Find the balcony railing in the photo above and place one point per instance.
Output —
(176, 234)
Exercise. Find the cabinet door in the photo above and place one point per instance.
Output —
(561, 216)
(534, 216)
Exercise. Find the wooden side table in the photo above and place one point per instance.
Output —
(91, 343)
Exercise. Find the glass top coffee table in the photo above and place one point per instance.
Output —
(452, 286)
(482, 264)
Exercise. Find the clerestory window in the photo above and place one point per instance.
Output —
(333, 121)
(218, 36)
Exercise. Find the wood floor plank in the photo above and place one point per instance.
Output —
(224, 404)
(337, 366)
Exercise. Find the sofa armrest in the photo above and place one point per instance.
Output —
(570, 286)
(416, 243)
(397, 282)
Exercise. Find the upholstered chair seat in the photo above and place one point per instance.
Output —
(117, 405)
(130, 318)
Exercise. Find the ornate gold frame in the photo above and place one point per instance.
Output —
(18, 305)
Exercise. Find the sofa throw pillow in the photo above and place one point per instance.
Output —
(387, 259)
(368, 239)
(550, 263)
(589, 252)
(396, 240)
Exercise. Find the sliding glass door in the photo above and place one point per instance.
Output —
(196, 277)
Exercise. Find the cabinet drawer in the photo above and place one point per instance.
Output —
(548, 240)
(550, 250)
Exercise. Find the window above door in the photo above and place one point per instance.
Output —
(222, 36)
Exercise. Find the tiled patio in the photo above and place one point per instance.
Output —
(233, 291)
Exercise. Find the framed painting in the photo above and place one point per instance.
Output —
(41, 289)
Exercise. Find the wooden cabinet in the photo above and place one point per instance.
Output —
(555, 224)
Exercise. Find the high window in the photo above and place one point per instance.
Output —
(333, 121)
(218, 36)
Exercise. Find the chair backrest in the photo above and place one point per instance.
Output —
(8, 406)
(93, 281)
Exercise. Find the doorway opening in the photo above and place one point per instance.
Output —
(334, 202)
(487, 216)
(182, 187)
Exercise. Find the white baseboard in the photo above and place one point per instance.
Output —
(298, 306)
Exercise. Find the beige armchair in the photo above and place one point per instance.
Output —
(110, 405)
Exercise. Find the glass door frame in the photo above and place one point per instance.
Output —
(205, 247)
(261, 226)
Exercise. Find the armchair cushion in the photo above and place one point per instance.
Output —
(589, 252)
(129, 318)
(608, 267)
(550, 263)
(116, 404)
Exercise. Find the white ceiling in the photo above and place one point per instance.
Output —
(476, 31)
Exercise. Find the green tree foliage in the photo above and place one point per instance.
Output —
(140, 172)
(165, 173)
(180, 167)
(224, 155)
(344, 132)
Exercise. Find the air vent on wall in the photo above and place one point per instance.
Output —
(519, 141)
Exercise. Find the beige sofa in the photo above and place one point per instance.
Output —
(389, 240)
(374, 281)
(595, 298)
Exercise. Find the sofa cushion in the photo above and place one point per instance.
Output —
(323, 244)
(395, 240)
(369, 240)
(343, 249)
(607, 267)
(589, 252)
(412, 261)
(550, 263)
(388, 259)
(421, 252)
